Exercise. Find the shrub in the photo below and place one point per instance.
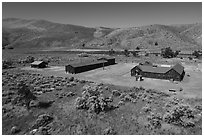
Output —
(146, 108)
(116, 93)
(25, 94)
(93, 101)
(167, 52)
(29, 59)
(180, 114)
(155, 120)
(7, 64)
(42, 120)
(126, 52)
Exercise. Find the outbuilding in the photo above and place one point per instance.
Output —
(110, 60)
(84, 66)
(175, 72)
(39, 64)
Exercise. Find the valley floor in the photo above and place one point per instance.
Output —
(129, 107)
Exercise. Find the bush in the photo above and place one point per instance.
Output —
(167, 52)
(25, 94)
(126, 52)
(116, 93)
(29, 59)
(111, 52)
(180, 114)
(93, 101)
(197, 54)
(146, 109)
(155, 120)
(42, 120)
(7, 64)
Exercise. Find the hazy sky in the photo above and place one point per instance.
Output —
(106, 14)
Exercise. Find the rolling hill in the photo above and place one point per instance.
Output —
(153, 36)
(21, 33)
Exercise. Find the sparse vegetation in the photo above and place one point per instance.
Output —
(180, 114)
(126, 52)
(167, 52)
(93, 101)
(197, 53)
(50, 102)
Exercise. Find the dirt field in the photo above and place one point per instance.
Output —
(119, 74)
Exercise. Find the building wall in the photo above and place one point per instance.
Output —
(80, 69)
(111, 61)
(69, 69)
(133, 71)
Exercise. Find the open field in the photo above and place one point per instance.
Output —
(119, 74)
(130, 107)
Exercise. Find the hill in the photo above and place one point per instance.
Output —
(41, 33)
(153, 36)
(21, 33)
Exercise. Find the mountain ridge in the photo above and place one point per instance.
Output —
(21, 33)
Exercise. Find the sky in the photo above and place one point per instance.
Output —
(117, 15)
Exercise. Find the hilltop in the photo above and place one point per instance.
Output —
(153, 36)
(21, 33)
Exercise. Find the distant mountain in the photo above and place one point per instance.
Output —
(153, 37)
(21, 33)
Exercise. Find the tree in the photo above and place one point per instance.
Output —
(25, 94)
(156, 43)
(167, 52)
(126, 52)
(135, 54)
(137, 48)
(111, 52)
(196, 53)
(176, 53)
(7, 64)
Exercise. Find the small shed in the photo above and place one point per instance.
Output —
(185, 54)
(39, 64)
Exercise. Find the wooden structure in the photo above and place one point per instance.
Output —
(110, 60)
(39, 64)
(185, 54)
(175, 72)
(84, 66)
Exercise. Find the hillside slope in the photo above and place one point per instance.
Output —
(153, 36)
(21, 33)
(41, 33)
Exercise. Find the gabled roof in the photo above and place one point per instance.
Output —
(86, 63)
(147, 68)
(178, 68)
(105, 58)
(152, 69)
(37, 62)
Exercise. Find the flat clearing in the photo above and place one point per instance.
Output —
(119, 74)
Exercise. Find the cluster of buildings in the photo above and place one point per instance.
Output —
(146, 69)
(89, 65)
